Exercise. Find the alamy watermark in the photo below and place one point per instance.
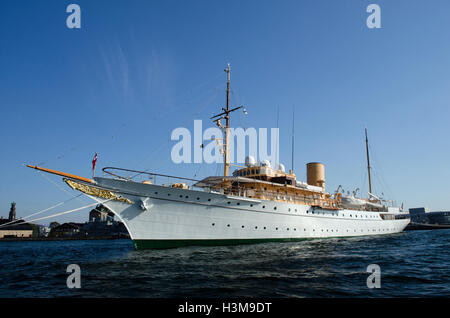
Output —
(208, 146)
(374, 279)
(74, 279)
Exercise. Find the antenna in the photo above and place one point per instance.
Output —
(278, 137)
(368, 161)
(292, 150)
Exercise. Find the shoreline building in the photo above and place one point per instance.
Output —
(15, 228)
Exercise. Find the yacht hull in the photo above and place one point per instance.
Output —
(164, 217)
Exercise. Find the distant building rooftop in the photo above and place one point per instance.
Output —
(18, 225)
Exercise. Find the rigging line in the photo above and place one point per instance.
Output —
(62, 213)
(58, 186)
(42, 211)
(183, 104)
(168, 141)
(379, 171)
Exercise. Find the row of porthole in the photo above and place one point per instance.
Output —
(256, 227)
(287, 229)
(275, 208)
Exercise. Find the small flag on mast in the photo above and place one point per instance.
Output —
(94, 161)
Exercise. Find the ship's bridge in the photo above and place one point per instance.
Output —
(264, 171)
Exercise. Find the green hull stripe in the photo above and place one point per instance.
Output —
(163, 244)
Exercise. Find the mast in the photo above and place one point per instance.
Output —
(226, 166)
(226, 115)
(368, 161)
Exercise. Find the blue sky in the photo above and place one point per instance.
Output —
(138, 69)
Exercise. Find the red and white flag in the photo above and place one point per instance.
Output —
(94, 161)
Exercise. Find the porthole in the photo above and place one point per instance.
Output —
(238, 203)
(209, 199)
(187, 197)
(274, 207)
(229, 202)
(264, 207)
(287, 229)
(198, 198)
(168, 194)
(243, 226)
(156, 192)
(256, 227)
(251, 205)
(181, 195)
(276, 228)
(228, 225)
(213, 224)
(264, 228)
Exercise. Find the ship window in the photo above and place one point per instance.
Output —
(276, 228)
(198, 198)
(274, 207)
(209, 199)
(253, 171)
(168, 194)
(243, 226)
(264, 228)
(156, 192)
(238, 203)
(289, 209)
(213, 224)
(187, 197)
(251, 205)
(181, 195)
(257, 171)
(228, 225)
(229, 202)
(264, 206)
(256, 227)
(288, 229)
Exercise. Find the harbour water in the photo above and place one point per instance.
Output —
(413, 264)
